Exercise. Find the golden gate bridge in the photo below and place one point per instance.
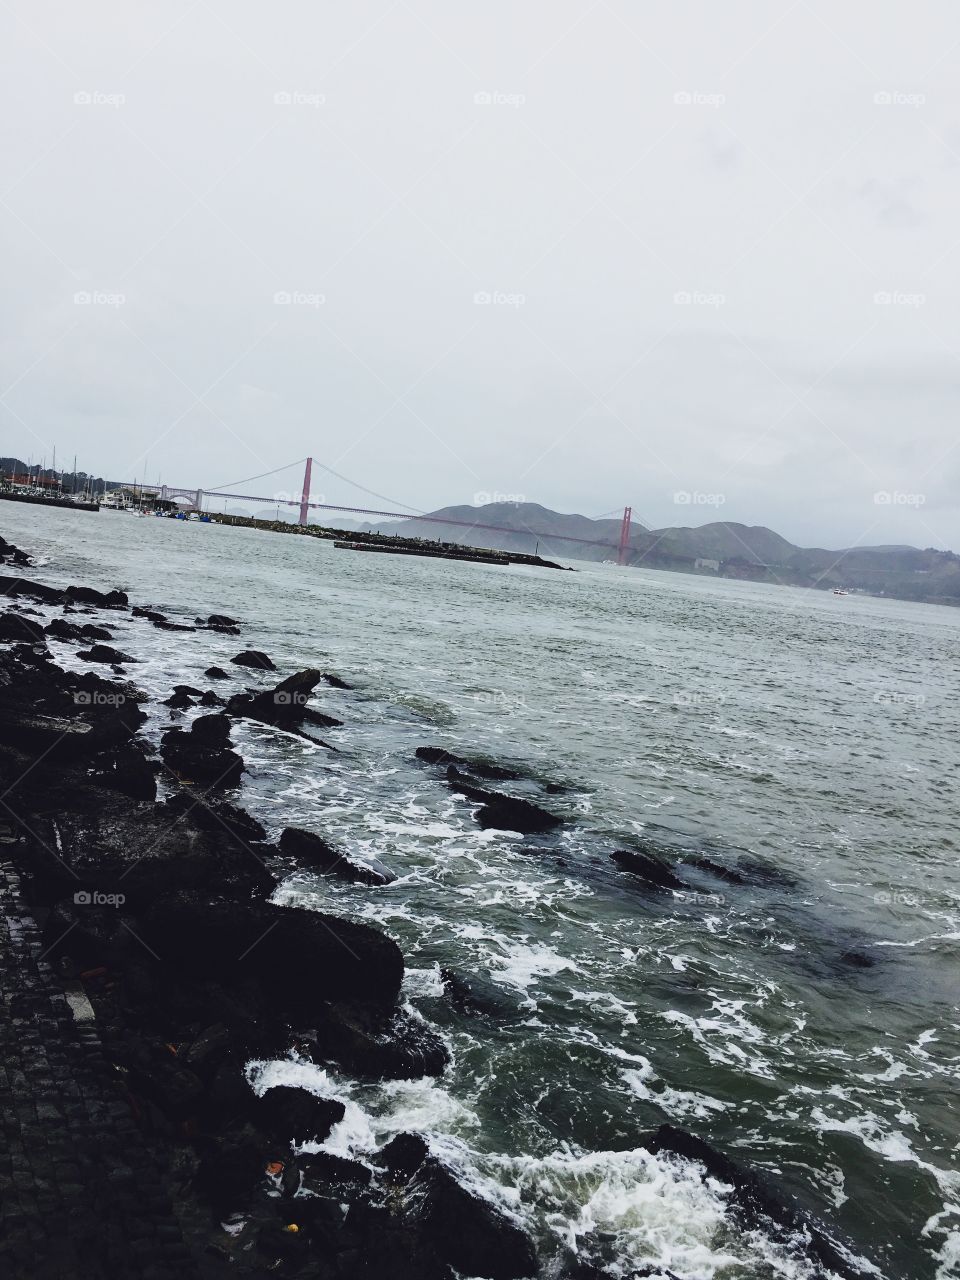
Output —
(306, 504)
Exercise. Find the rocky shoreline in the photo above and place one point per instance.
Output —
(144, 965)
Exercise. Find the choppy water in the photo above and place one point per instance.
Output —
(815, 733)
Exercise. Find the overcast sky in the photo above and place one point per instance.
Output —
(720, 243)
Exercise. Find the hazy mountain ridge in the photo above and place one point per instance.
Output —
(720, 548)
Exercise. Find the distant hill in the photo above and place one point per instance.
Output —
(722, 548)
(73, 482)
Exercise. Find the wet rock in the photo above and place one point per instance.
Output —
(203, 754)
(220, 622)
(504, 813)
(232, 1168)
(403, 1155)
(16, 629)
(253, 658)
(471, 994)
(216, 815)
(129, 770)
(286, 705)
(647, 868)
(722, 872)
(314, 852)
(90, 934)
(327, 1170)
(366, 1043)
(302, 958)
(335, 682)
(100, 599)
(16, 586)
(204, 1054)
(294, 1115)
(216, 673)
(211, 699)
(103, 653)
(9, 552)
(479, 768)
(755, 1199)
(60, 629)
(178, 701)
(468, 1233)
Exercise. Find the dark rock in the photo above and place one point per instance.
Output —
(16, 629)
(326, 1168)
(294, 1115)
(90, 934)
(479, 768)
(220, 622)
(178, 701)
(314, 852)
(366, 1043)
(302, 958)
(647, 868)
(286, 705)
(468, 1233)
(730, 874)
(203, 755)
(472, 994)
(209, 813)
(211, 699)
(335, 682)
(208, 1050)
(216, 673)
(504, 813)
(103, 653)
(16, 586)
(60, 629)
(253, 658)
(129, 770)
(403, 1155)
(101, 599)
(152, 615)
(232, 1169)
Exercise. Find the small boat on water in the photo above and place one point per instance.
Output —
(839, 591)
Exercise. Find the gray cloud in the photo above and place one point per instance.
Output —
(720, 248)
